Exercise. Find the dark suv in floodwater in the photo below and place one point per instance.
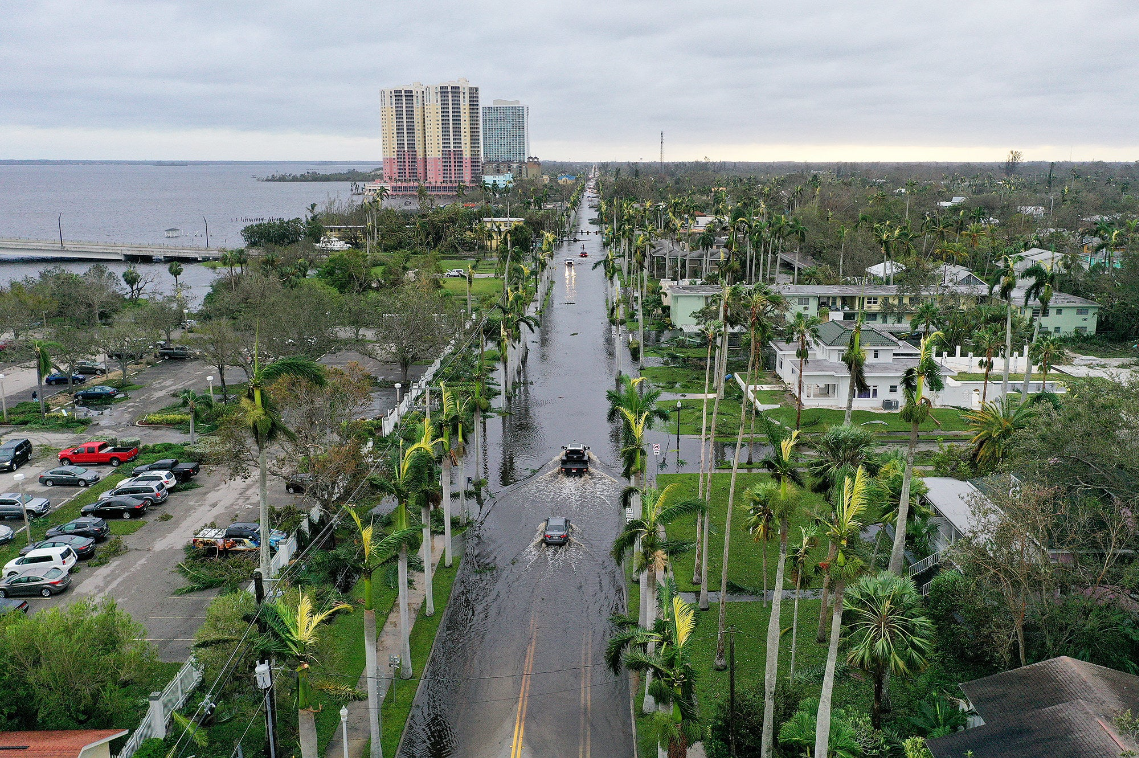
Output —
(556, 531)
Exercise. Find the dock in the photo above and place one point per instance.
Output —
(104, 251)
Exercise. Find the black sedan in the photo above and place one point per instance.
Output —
(71, 476)
(95, 528)
(8, 606)
(61, 378)
(121, 506)
(100, 392)
(84, 547)
(90, 368)
(182, 471)
(50, 582)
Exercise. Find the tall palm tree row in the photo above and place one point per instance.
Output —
(917, 381)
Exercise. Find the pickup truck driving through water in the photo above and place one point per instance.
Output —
(97, 452)
(575, 460)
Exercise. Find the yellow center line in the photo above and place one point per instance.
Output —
(588, 679)
(524, 693)
(583, 723)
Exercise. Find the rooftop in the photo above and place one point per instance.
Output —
(951, 499)
(55, 744)
(834, 334)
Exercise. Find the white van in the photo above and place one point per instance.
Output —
(61, 557)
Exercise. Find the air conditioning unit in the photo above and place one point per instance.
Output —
(889, 405)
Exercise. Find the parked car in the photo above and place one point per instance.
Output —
(86, 526)
(183, 472)
(97, 452)
(90, 368)
(170, 351)
(153, 492)
(69, 476)
(166, 477)
(253, 532)
(84, 547)
(456, 273)
(40, 560)
(556, 531)
(15, 453)
(61, 378)
(7, 534)
(46, 583)
(13, 504)
(8, 605)
(238, 537)
(119, 506)
(98, 393)
(297, 483)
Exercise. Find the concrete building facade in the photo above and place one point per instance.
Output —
(432, 136)
(506, 131)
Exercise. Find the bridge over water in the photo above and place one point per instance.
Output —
(103, 251)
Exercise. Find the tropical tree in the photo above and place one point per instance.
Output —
(800, 554)
(993, 427)
(855, 359)
(175, 270)
(258, 415)
(663, 651)
(632, 396)
(1045, 281)
(986, 342)
(803, 329)
(194, 403)
(1046, 351)
(760, 522)
(840, 451)
(43, 368)
(645, 536)
(1004, 279)
(842, 530)
(374, 552)
(925, 317)
(784, 504)
(916, 380)
(292, 631)
(889, 635)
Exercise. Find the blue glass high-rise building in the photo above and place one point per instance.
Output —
(506, 132)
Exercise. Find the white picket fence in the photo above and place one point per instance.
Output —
(391, 420)
(162, 704)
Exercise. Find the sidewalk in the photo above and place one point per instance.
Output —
(387, 643)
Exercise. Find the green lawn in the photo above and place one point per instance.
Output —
(485, 266)
(479, 287)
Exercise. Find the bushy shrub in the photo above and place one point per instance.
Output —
(749, 719)
(166, 419)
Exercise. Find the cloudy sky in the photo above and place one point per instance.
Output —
(726, 79)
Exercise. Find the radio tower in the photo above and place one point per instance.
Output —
(662, 152)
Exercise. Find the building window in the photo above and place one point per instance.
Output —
(1036, 313)
(804, 301)
(781, 364)
(1056, 330)
(1081, 330)
(875, 353)
(864, 394)
(874, 390)
(893, 389)
(1059, 311)
(1080, 311)
(872, 301)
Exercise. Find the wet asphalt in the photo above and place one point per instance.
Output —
(518, 667)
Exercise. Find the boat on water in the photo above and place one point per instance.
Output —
(173, 232)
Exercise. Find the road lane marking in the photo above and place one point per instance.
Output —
(583, 750)
(524, 692)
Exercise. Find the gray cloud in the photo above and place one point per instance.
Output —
(602, 77)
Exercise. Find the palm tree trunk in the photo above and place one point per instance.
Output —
(696, 573)
(897, 553)
(985, 388)
(463, 515)
(1028, 368)
(765, 571)
(721, 662)
(372, 674)
(824, 597)
(404, 622)
(795, 626)
(823, 719)
(193, 439)
(849, 397)
(771, 666)
(799, 404)
(643, 276)
(723, 358)
(649, 705)
(263, 512)
(1008, 348)
(428, 598)
(446, 477)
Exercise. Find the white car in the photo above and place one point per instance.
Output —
(61, 557)
(6, 534)
(166, 477)
(456, 273)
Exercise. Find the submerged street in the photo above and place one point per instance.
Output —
(518, 668)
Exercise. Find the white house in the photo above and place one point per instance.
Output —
(826, 379)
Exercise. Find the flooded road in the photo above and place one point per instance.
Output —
(519, 666)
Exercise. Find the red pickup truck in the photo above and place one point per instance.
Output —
(97, 452)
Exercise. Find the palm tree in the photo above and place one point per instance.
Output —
(1045, 279)
(709, 332)
(842, 529)
(760, 522)
(43, 368)
(663, 651)
(194, 402)
(925, 317)
(918, 408)
(889, 634)
(292, 631)
(1047, 351)
(375, 552)
(410, 483)
(784, 504)
(985, 343)
(1004, 280)
(645, 536)
(632, 396)
(840, 451)
(803, 329)
(258, 415)
(799, 556)
(855, 359)
(993, 427)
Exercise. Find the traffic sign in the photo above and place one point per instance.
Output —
(656, 448)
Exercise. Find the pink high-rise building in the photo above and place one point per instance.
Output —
(431, 136)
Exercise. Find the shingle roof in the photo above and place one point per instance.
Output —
(834, 334)
(1061, 708)
(54, 744)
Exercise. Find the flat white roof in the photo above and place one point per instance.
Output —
(951, 499)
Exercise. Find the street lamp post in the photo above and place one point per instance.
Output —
(344, 728)
(678, 406)
(265, 683)
(24, 506)
(210, 379)
(3, 398)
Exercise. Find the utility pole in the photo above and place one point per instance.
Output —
(264, 672)
(207, 223)
(59, 221)
(662, 151)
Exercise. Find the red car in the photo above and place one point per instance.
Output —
(583, 254)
